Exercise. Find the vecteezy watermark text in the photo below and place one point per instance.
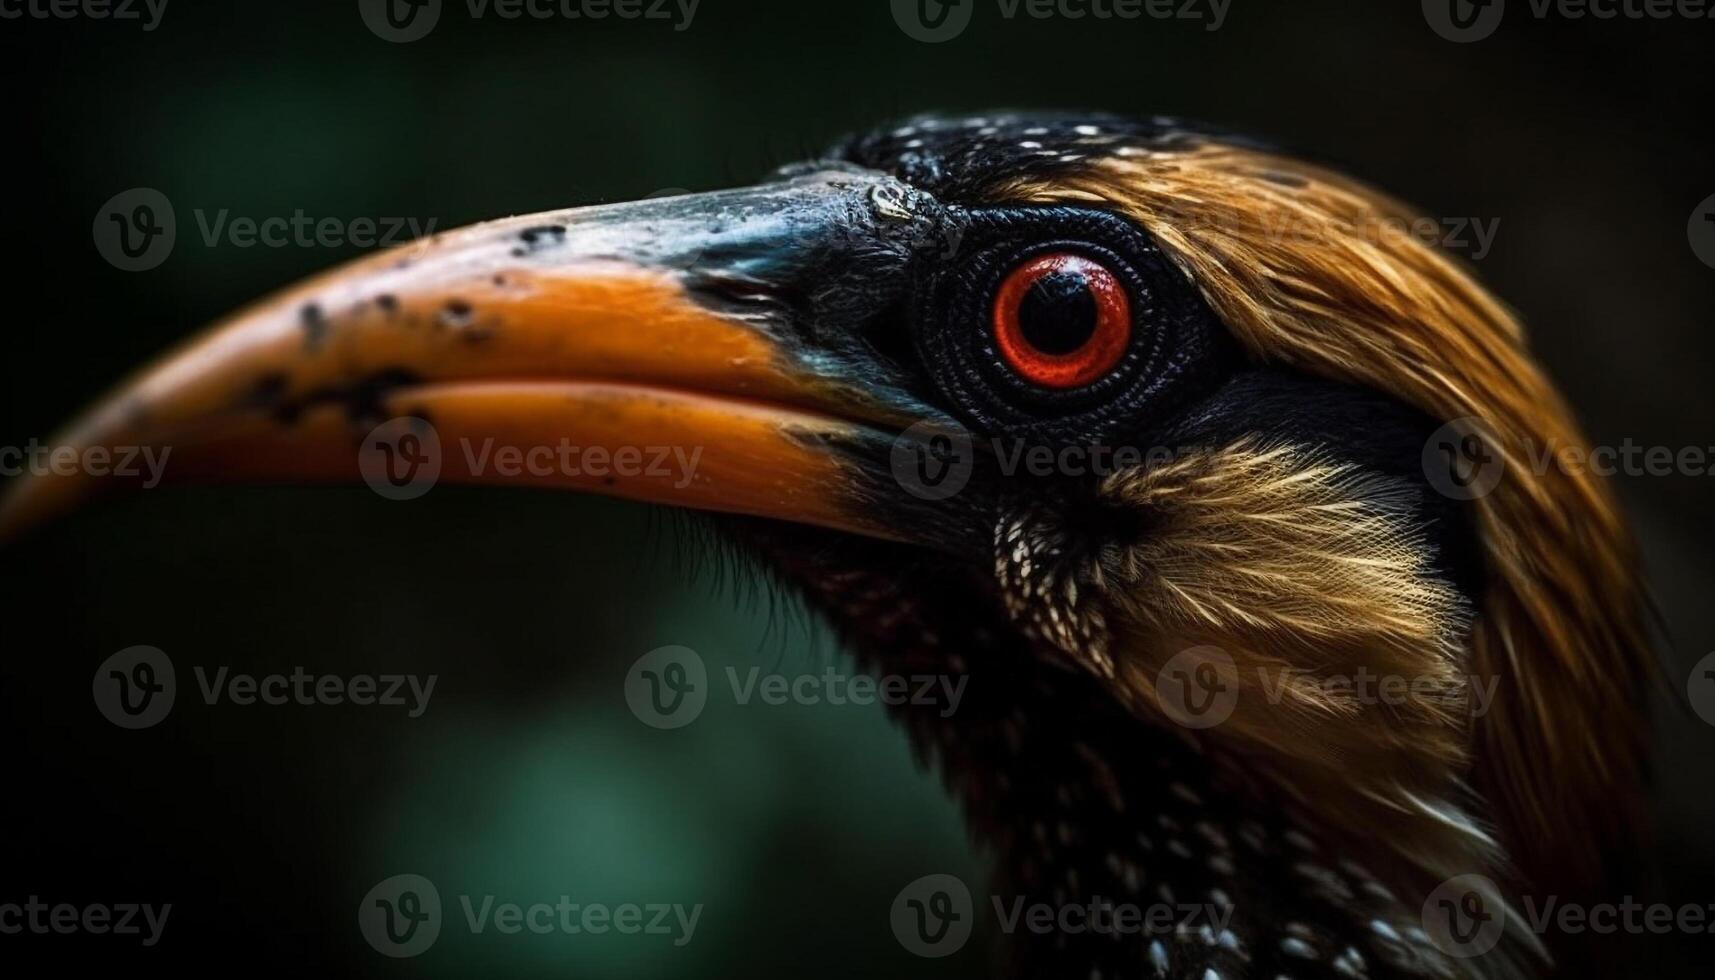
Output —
(305, 689)
(146, 12)
(402, 459)
(146, 464)
(835, 688)
(668, 687)
(404, 21)
(1466, 916)
(136, 230)
(138, 686)
(934, 21)
(300, 230)
(1465, 21)
(573, 918)
(933, 916)
(935, 461)
(670, 463)
(402, 917)
(1102, 916)
(1472, 236)
(99, 919)
(1200, 687)
(1464, 460)
(681, 12)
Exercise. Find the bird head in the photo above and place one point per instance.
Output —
(1089, 410)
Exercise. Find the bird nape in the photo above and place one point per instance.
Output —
(1263, 367)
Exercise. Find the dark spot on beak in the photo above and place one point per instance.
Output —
(364, 399)
(265, 394)
(456, 314)
(388, 302)
(315, 324)
(540, 237)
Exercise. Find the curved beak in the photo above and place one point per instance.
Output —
(674, 351)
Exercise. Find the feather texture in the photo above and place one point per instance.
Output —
(1301, 265)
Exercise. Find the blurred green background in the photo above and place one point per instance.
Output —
(528, 777)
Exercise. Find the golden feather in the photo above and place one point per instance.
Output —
(1307, 270)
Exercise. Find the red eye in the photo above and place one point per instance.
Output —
(1062, 321)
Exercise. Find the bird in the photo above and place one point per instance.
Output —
(1316, 465)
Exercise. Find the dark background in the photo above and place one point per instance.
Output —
(528, 777)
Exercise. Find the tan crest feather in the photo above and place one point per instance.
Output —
(1313, 271)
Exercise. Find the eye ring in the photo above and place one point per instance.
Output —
(1177, 349)
(1081, 301)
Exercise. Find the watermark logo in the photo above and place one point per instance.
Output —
(933, 21)
(1460, 460)
(1700, 689)
(932, 917)
(400, 21)
(401, 459)
(401, 917)
(1701, 231)
(1198, 688)
(667, 687)
(135, 688)
(136, 229)
(404, 21)
(932, 461)
(1464, 21)
(1463, 916)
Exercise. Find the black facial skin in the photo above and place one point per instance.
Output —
(1177, 351)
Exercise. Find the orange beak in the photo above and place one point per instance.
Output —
(667, 351)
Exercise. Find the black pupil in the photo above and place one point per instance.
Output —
(1058, 313)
